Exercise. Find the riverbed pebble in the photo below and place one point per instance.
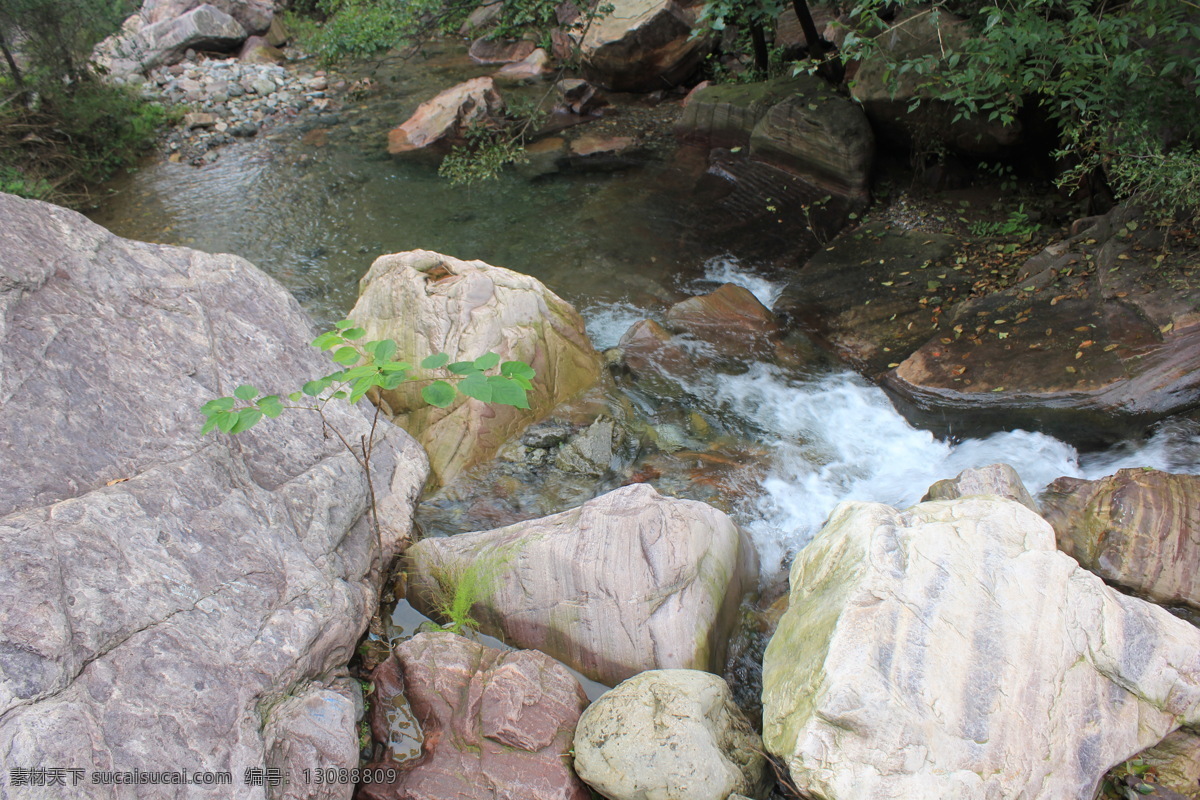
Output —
(236, 100)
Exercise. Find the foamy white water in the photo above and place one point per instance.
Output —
(838, 438)
(727, 269)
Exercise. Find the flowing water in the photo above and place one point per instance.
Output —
(621, 247)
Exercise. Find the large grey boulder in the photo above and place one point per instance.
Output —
(669, 734)
(949, 651)
(1000, 480)
(627, 582)
(642, 45)
(167, 600)
(255, 16)
(142, 46)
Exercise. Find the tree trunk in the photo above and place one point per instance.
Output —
(831, 69)
(18, 79)
(761, 55)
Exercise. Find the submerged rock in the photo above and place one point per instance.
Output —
(670, 733)
(950, 652)
(431, 303)
(731, 319)
(169, 600)
(627, 582)
(797, 124)
(1107, 352)
(446, 115)
(643, 45)
(1139, 529)
(497, 723)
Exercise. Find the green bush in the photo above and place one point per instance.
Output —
(106, 127)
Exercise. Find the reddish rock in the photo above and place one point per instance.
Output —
(533, 66)
(648, 350)
(731, 318)
(578, 96)
(497, 723)
(591, 144)
(1139, 529)
(497, 51)
(446, 114)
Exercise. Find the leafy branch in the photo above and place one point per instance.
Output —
(371, 365)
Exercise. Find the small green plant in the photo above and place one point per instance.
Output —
(1018, 223)
(461, 586)
(371, 365)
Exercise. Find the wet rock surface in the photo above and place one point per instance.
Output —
(1000, 480)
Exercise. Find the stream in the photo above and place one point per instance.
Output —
(621, 247)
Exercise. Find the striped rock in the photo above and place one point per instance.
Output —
(1139, 529)
(627, 582)
(950, 652)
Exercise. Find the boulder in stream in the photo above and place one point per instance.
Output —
(1139, 529)
(166, 42)
(950, 652)
(627, 582)
(168, 600)
(669, 733)
(496, 723)
(446, 115)
(731, 319)
(1000, 480)
(643, 45)
(430, 303)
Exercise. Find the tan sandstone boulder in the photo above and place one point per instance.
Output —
(1000, 480)
(950, 652)
(430, 303)
(627, 582)
(446, 115)
(1139, 529)
(669, 734)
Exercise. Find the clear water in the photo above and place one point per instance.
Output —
(621, 247)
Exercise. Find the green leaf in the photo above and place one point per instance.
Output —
(487, 361)
(355, 373)
(524, 383)
(384, 350)
(271, 405)
(463, 367)
(343, 324)
(438, 393)
(395, 366)
(354, 333)
(476, 385)
(517, 369)
(328, 340)
(507, 392)
(313, 388)
(247, 418)
(226, 420)
(436, 361)
(209, 425)
(360, 387)
(346, 355)
(245, 392)
(392, 380)
(219, 404)
(339, 395)
(295, 396)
